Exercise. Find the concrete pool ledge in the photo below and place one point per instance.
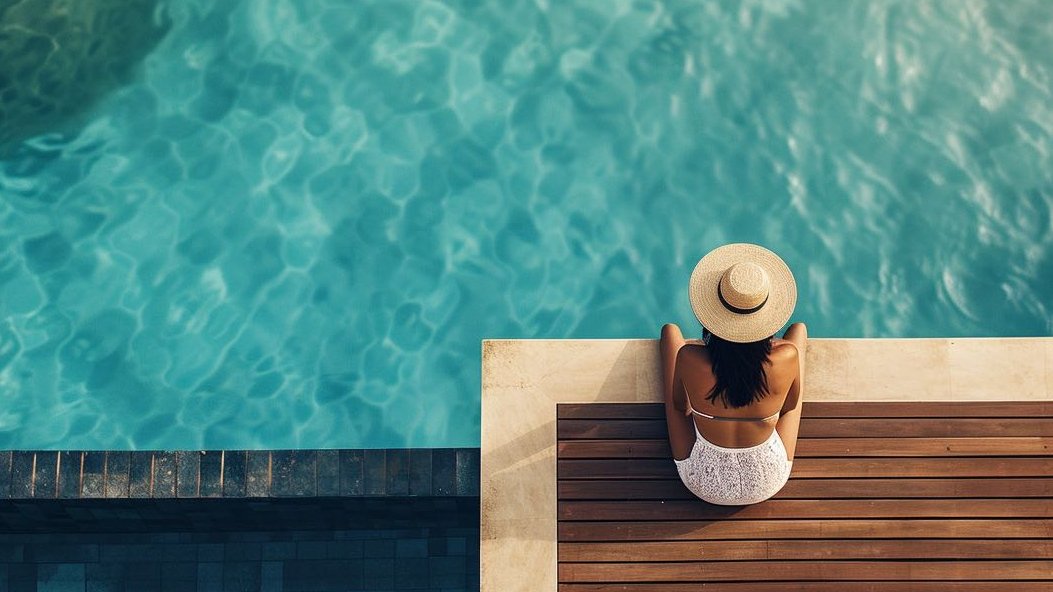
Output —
(524, 380)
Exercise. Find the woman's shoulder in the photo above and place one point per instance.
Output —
(784, 353)
(783, 345)
(693, 352)
(692, 347)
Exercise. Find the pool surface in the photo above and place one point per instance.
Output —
(288, 224)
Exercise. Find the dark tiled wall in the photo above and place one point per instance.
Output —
(434, 559)
(231, 514)
(220, 520)
(279, 520)
(238, 473)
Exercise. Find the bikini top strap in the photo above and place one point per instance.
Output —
(717, 417)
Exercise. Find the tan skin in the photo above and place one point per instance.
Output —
(687, 372)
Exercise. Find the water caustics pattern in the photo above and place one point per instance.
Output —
(290, 223)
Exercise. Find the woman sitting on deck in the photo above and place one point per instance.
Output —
(742, 452)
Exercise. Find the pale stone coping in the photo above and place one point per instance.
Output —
(523, 380)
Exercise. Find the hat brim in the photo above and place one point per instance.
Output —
(730, 325)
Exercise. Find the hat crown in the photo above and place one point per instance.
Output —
(745, 285)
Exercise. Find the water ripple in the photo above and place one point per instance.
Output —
(296, 225)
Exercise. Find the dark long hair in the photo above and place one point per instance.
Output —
(739, 369)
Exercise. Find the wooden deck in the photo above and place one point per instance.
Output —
(884, 497)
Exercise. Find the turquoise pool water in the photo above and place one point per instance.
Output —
(230, 224)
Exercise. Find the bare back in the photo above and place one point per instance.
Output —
(694, 375)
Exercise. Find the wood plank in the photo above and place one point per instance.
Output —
(824, 467)
(932, 528)
(812, 586)
(922, 467)
(676, 510)
(936, 409)
(996, 446)
(578, 429)
(954, 427)
(969, 427)
(610, 411)
(599, 489)
(830, 447)
(616, 469)
(814, 550)
(614, 449)
(802, 570)
(820, 488)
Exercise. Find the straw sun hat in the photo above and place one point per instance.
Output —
(742, 292)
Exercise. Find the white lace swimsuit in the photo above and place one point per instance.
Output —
(734, 476)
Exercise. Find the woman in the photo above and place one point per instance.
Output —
(732, 401)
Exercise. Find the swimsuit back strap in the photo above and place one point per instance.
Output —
(717, 417)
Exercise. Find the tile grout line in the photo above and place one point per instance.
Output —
(222, 460)
(58, 469)
(153, 467)
(80, 478)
